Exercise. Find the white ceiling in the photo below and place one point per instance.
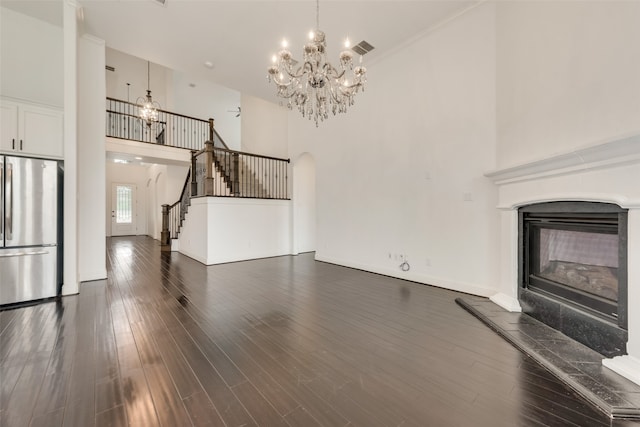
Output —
(239, 37)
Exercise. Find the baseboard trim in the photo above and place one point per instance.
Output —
(467, 288)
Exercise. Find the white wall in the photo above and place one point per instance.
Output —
(91, 160)
(568, 76)
(264, 127)
(208, 100)
(219, 229)
(32, 58)
(394, 172)
(133, 70)
(128, 174)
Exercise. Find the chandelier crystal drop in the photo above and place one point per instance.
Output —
(147, 107)
(314, 85)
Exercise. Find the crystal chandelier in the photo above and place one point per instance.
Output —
(315, 86)
(148, 108)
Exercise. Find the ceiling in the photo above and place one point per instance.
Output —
(239, 37)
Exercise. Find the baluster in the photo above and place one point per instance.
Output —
(194, 178)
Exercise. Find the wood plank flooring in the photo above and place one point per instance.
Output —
(287, 341)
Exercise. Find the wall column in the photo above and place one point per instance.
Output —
(70, 207)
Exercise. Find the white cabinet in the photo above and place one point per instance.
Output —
(31, 129)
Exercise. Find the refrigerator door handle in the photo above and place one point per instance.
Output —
(8, 194)
(23, 254)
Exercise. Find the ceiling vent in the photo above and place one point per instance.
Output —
(109, 68)
(362, 48)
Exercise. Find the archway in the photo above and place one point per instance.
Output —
(304, 204)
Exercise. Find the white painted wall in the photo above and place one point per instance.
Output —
(91, 160)
(219, 230)
(133, 70)
(568, 76)
(127, 174)
(304, 204)
(393, 173)
(32, 58)
(264, 127)
(208, 100)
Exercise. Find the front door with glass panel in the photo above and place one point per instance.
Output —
(123, 210)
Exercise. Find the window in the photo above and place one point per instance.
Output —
(124, 204)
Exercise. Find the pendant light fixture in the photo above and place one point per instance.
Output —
(148, 108)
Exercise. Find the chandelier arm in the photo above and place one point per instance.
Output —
(298, 73)
(353, 85)
(328, 68)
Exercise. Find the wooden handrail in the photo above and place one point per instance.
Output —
(245, 153)
(131, 115)
(159, 109)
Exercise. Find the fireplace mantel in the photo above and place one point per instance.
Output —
(618, 152)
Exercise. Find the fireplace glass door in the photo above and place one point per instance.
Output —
(576, 260)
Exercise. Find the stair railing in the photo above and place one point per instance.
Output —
(173, 215)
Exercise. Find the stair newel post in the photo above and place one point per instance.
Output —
(208, 148)
(208, 180)
(164, 234)
(236, 174)
(194, 178)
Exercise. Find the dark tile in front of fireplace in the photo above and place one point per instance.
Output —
(572, 362)
(572, 352)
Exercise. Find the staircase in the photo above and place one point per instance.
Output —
(220, 172)
(215, 170)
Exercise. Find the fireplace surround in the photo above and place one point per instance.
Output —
(605, 172)
(572, 270)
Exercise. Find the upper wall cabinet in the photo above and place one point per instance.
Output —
(31, 129)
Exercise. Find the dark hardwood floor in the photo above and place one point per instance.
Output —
(275, 342)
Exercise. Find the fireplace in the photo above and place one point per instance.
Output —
(573, 270)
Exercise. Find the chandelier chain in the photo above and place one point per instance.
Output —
(147, 107)
(317, 14)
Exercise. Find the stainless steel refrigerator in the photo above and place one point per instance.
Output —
(28, 229)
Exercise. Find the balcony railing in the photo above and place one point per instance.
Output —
(172, 129)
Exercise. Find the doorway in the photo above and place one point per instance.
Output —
(123, 210)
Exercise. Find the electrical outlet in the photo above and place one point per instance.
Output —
(467, 197)
(427, 262)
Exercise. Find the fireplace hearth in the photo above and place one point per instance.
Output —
(573, 271)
